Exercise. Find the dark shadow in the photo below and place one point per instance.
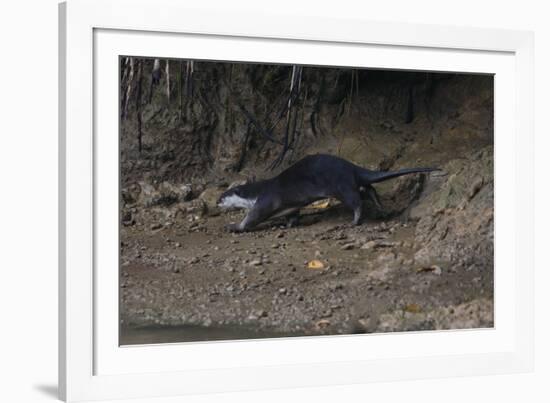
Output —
(48, 390)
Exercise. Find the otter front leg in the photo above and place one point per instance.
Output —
(260, 212)
(293, 219)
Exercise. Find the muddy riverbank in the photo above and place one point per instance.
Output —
(422, 262)
(428, 267)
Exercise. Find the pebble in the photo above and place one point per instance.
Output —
(369, 245)
(436, 269)
(255, 262)
(261, 313)
(348, 246)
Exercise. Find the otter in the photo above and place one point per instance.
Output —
(312, 178)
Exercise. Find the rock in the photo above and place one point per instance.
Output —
(127, 219)
(187, 192)
(386, 257)
(475, 186)
(210, 198)
(387, 244)
(156, 226)
(348, 246)
(261, 313)
(369, 245)
(255, 262)
(175, 193)
(436, 269)
(148, 195)
(130, 195)
(193, 207)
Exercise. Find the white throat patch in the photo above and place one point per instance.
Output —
(235, 201)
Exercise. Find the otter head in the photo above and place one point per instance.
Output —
(236, 197)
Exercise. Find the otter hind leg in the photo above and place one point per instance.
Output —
(372, 195)
(352, 199)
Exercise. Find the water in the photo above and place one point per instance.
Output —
(189, 333)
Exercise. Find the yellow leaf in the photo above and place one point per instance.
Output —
(413, 308)
(315, 264)
(321, 324)
(321, 204)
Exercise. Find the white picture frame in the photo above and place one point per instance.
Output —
(92, 365)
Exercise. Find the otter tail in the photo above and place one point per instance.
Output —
(380, 176)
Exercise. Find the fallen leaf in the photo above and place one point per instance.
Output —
(321, 204)
(321, 324)
(413, 308)
(315, 265)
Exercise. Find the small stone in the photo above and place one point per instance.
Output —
(282, 290)
(255, 262)
(369, 245)
(156, 226)
(436, 269)
(348, 246)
